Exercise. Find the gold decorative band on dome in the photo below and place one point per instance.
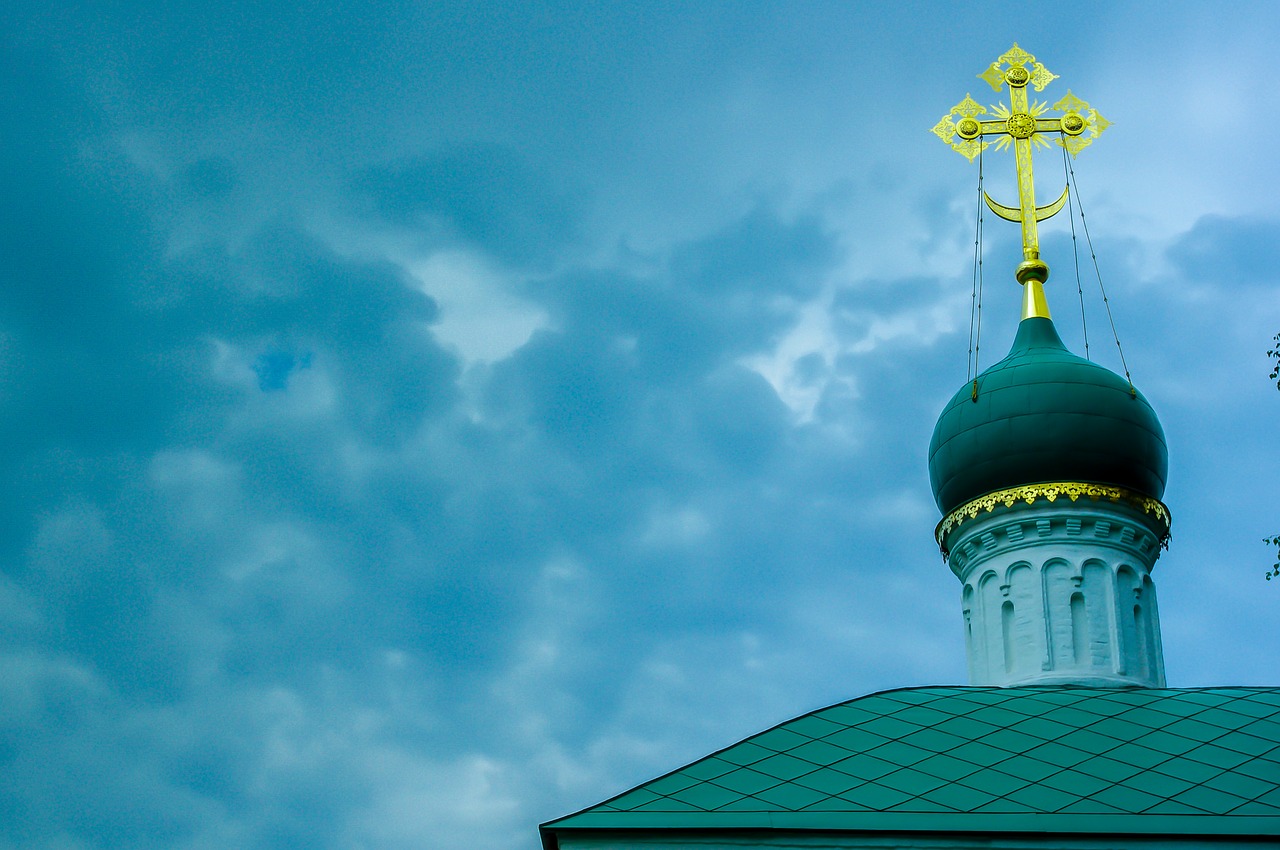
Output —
(1029, 493)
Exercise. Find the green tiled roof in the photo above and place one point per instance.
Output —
(958, 759)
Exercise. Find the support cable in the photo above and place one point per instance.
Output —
(1071, 172)
(975, 302)
(1075, 251)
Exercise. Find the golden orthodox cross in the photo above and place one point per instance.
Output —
(1025, 124)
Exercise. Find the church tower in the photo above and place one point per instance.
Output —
(1049, 472)
(1048, 468)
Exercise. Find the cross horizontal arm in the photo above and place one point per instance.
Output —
(999, 126)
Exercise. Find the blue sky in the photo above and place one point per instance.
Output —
(425, 420)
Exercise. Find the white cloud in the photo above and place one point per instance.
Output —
(480, 318)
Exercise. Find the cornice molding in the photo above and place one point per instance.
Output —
(1050, 492)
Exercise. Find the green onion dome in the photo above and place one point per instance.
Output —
(1044, 415)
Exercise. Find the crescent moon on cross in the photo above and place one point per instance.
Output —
(1015, 214)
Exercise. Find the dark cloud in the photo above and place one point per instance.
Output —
(759, 254)
(1243, 251)
(260, 479)
(485, 195)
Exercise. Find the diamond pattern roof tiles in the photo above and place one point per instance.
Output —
(1141, 761)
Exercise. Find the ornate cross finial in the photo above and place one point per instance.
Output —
(1024, 124)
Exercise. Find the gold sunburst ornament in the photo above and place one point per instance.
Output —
(1025, 124)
